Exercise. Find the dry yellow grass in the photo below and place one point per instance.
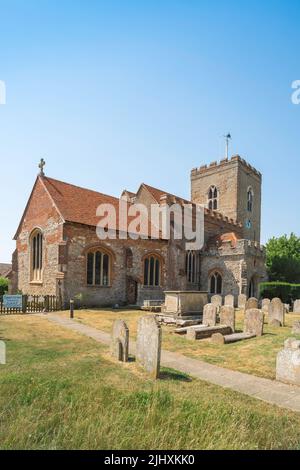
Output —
(61, 390)
(256, 356)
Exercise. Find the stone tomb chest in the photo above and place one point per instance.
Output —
(185, 303)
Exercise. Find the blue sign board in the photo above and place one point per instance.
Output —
(12, 301)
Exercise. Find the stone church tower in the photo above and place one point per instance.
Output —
(232, 187)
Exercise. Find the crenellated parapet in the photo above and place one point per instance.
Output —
(223, 163)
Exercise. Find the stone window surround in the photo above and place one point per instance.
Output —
(36, 278)
(214, 272)
(193, 275)
(104, 251)
(250, 199)
(160, 259)
(213, 197)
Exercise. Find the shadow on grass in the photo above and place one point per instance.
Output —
(171, 374)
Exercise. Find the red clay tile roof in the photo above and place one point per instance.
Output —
(158, 193)
(77, 204)
(5, 269)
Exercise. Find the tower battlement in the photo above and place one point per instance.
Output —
(223, 163)
(233, 188)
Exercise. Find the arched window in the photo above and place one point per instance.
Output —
(213, 198)
(250, 197)
(152, 267)
(98, 268)
(36, 244)
(215, 283)
(192, 263)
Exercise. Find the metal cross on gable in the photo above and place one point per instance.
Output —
(41, 167)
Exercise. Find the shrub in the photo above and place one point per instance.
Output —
(284, 290)
(3, 285)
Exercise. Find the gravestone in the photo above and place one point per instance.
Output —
(265, 305)
(210, 315)
(251, 303)
(227, 317)
(229, 300)
(288, 362)
(148, 345)
(254, 321)
(2, 353)
(296, 308)
(296, 328)
(242, 299)
(217, 300)
(120, 341)
(276, 312)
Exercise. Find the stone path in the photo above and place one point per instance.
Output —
(276, 393)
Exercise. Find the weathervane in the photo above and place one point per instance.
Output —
(227, 138)
(41, 167)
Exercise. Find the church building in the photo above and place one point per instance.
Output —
(59, 253)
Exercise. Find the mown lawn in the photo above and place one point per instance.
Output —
(256, 356)
(60, 390)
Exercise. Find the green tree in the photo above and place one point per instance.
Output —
(283, 258)
(3, 285)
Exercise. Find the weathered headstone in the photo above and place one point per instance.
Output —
(254, 321)
(265, 305)
(210, 315)
(2, 352)
(217, 300)
(227, 317)
(242, 299)
(276, 312)
(296, 328)
(251, 303)
(120, 341)
(296, 308)
(229, 300)
(288, 362)
(148, 345)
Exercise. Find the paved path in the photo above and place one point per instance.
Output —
(276, 393)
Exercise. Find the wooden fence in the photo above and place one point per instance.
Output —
(33, 304)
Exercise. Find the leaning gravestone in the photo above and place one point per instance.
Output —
(288, 362)
(120, 341)
(148, 345)
(229, 300)
(242, 299)
(227, 317)
(276, 312)
(210, 315)
(254, 321)
(217, 300)
(265, 305)
(296, 308)
(251, 303)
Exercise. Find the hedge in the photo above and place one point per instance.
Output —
(3, 285)
(285, 291)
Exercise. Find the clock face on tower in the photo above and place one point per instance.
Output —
(248, 224)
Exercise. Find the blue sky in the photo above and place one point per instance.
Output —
(115, 93)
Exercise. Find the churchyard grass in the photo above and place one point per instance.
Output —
(61, 390)
(255, 356)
